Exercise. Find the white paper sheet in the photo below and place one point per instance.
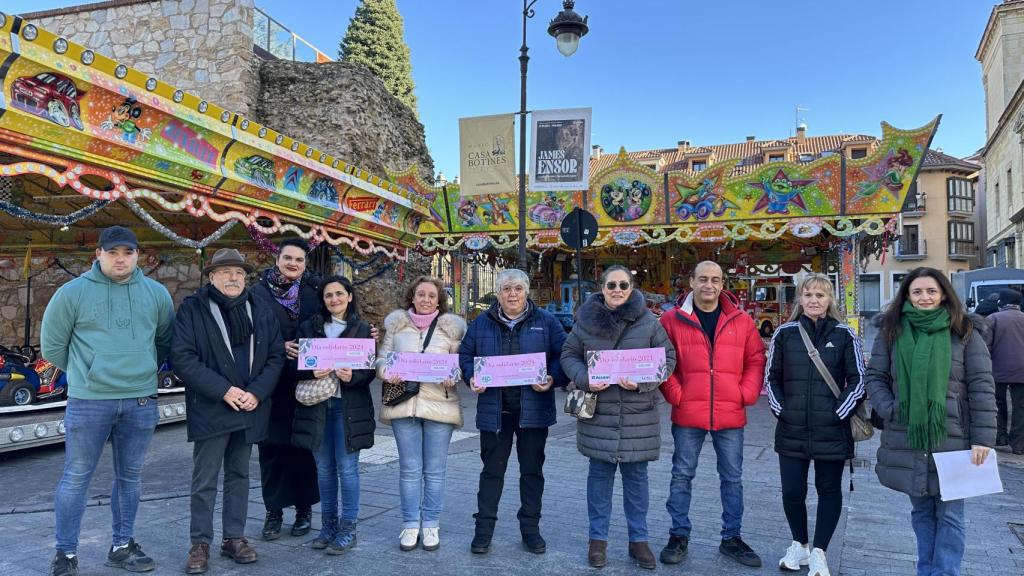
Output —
(958, 478)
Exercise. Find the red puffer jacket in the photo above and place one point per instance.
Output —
(711, 388)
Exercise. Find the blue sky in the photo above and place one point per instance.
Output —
(659, 71)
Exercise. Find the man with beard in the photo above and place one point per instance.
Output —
(229, 353)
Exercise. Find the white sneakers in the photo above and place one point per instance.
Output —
(796, 556)
(431, 539)
(408, 539)
(819, 564)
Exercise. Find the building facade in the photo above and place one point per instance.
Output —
(1001, 54)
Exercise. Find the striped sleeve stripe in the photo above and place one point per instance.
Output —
(858, 392)
(772, 400)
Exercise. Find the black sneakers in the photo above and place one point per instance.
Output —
(64, 565)
(131, 558)
(738, 550)
(675, 550)
(481, 543)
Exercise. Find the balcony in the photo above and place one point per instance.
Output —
(962, 249)
(908, 251)
(913, 207)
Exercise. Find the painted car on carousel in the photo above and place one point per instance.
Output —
(49, 95)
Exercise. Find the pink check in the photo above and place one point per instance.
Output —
(515, 370)
(334, 353)
(417, 367)
(640, 365)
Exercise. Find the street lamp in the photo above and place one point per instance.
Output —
(567, 28)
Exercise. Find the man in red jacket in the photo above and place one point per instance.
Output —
(719, 372)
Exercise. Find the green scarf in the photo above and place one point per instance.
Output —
(923, 359)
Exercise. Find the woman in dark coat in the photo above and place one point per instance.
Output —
(625, 431)
(337, 429)
(813, 423)
(930, 380)
(288, 472)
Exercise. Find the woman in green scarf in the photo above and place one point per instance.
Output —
(930, 380)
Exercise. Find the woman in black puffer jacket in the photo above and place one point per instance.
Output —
(337, 429)
(813, 424)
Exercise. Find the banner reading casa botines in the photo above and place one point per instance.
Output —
(558, 150)
(487, 163)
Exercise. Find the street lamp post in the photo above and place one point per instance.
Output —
(567, 28)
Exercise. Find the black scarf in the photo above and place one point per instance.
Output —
(237, 319)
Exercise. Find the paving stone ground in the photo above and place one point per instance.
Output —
(874, 536)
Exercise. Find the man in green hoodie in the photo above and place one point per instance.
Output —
(107, 330)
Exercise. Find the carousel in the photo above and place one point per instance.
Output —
(764, 221)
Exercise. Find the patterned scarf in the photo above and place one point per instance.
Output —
(285, 291)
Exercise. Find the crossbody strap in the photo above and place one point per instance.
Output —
(430, 332)
(816, 358)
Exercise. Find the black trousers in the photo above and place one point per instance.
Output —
(289, 477)
(495, 448)
(233, 452)
(828, 481)
(1015, 438)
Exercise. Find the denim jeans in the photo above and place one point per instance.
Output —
(635, 498)
(335, 467)
(129, 424)
(939, 528)
(729, 449)
(422, 461)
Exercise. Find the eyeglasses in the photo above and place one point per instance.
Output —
(621, 285)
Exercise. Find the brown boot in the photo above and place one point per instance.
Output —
(641, 552)
(198, 558)
(238, 549)
(597, 556)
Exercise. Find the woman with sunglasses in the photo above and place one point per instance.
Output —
(625, 431)
(930, 380)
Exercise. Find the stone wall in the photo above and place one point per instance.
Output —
(204, 47)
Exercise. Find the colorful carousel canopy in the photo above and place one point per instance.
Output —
(732, 199)
(84, 135)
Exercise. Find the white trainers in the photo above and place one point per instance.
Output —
(431, 539)
(796, 556)
(408, 539)
(819, 563)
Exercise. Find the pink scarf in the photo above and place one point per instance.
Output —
(422, 321)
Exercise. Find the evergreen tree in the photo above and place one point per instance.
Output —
(375, 39)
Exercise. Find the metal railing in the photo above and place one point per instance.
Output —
(965, 248)
(271, 39)
(907, 250)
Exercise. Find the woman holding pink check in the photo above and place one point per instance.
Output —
(625, 431)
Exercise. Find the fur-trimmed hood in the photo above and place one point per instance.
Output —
(598, 318)
(451, 325)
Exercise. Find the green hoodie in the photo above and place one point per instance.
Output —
(108, 337)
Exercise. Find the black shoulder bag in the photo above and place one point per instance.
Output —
(395, 394)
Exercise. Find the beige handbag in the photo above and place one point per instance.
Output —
(316, 390)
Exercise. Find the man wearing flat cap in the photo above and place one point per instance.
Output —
(108, 330)
(229, 353)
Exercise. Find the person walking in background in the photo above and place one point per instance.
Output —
(228, 352)
(337, 429)
(108, 330)
(1008, 369)
(513, 325)
(625, 431)
(813, 425)
(422, 424)
(720, 372)
(930, 380)
(288, 473)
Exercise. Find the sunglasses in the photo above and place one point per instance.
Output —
(621, 285)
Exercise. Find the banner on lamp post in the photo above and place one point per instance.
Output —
(487, 157)
(559, 158)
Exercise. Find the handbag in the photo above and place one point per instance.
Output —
(581, 404)
(395, 394)
(315, 390)
(860, 422)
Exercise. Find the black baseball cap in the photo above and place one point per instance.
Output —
(118, 236)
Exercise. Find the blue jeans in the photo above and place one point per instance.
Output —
(729, 449)
(422, 461)
(335, 467)
(129, 424)
(635, 498)
(939, 527)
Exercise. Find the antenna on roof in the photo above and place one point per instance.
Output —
(797, 121)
